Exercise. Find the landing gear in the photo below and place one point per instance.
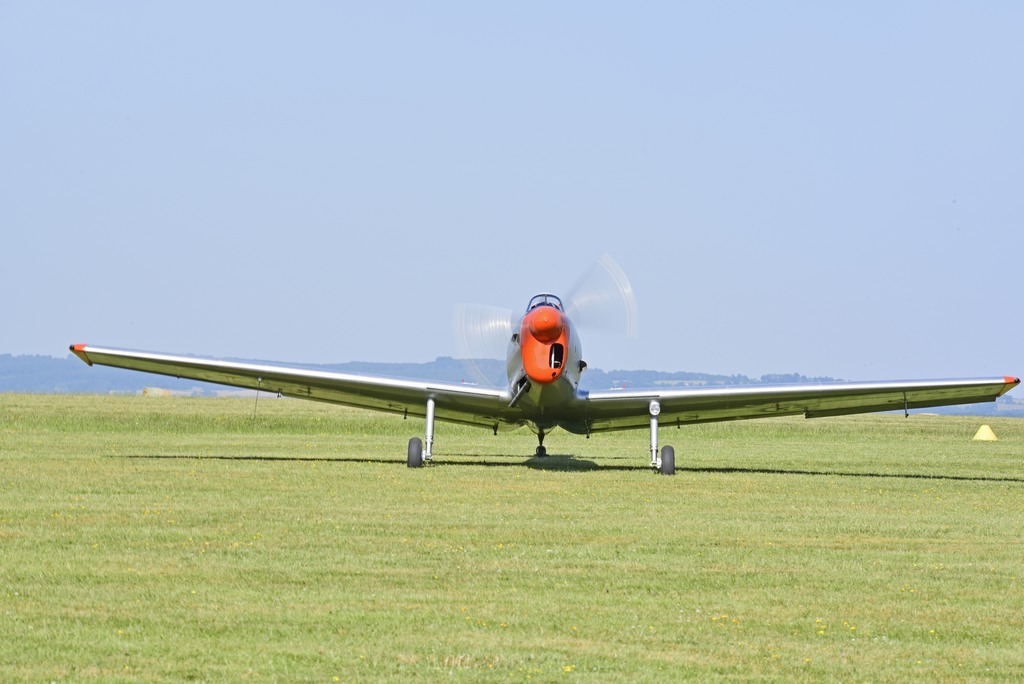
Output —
(419, 451)
(666, 465)
(541, 451)
(430, 430)
(415, 452)
(668, 461)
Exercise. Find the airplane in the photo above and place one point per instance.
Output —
(544, 366)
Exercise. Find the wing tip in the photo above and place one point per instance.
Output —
(1009, 382)
(79, 351)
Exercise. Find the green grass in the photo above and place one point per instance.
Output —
(168, 539)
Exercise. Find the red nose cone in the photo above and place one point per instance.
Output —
(546, 324)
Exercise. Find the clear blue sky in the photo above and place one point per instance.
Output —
(791, 187)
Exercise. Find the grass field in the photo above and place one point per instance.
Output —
(168, 539)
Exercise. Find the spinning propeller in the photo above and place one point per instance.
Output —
(601, 300)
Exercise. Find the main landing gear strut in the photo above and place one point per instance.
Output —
(417, 453)
(666, 465)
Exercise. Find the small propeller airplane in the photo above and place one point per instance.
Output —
(545, 363)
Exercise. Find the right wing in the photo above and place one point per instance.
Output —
(468, 404)
(626, 409)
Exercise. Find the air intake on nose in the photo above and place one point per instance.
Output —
(557, 356)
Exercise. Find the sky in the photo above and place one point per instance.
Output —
(832, 189)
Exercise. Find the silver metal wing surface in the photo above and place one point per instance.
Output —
(467, 404)
(625, 409)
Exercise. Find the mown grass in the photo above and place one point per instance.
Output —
(156, 539)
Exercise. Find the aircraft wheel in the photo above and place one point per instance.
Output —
(668, 461)
(541, 452)
(415, 452)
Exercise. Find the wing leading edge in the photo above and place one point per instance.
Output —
(466, 404)
(621, 410)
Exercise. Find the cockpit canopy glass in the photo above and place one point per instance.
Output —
(545, 300)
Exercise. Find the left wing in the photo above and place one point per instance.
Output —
(620, 410)
(455, 403)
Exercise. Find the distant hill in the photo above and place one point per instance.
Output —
(48, 375)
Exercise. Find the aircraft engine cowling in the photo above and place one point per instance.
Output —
(544, 342)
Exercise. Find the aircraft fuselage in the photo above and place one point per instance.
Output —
(544, 362)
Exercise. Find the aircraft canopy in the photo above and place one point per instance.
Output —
(545, 299)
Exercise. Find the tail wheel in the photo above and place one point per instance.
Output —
(415, 452)
(668, 461)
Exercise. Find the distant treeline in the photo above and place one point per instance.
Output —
(47, 375)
